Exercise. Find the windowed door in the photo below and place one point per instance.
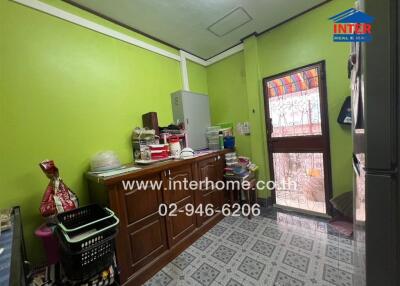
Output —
(298, 138)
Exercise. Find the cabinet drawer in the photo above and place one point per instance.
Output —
(147, 243)
(181, 225)
(140, 204)
(210, 169)
(174, 186)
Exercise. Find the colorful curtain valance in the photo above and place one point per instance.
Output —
(294, 82)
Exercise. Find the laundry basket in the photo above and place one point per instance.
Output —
(86, 238)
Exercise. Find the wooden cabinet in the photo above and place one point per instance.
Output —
(211, 170)
(142, 232)
(147, 241)
(179, 225)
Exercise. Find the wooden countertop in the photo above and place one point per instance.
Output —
(153, 168)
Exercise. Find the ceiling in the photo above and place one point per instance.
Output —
(203, 28)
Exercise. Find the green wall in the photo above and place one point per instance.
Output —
(304, 40)
(228, 99)
(256, 111)
(197, 75)
(67, 92)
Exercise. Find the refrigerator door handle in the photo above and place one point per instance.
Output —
(391, 172)
(356, 165)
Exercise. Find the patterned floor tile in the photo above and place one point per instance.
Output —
(202, 243)
(238, 238)
(333, 237)
(251, 267)
(183, 260)
(337, 277)
(302, 242)
(275, 249)
(233, 282)
(248, 225)
(218, 230)
(230, 220)
(272, 233)
(340, 254)
(346, 241)
(283, 279)
(263, 248)
(296, 260)
(223, 254)
(160, 279)
(205, 274)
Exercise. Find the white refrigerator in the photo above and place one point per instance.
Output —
(193, 110)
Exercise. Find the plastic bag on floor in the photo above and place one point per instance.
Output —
(58, 197)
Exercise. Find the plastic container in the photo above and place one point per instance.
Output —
(213, 128)
(213, 142)
(214, 146)
(212, 135)
(159, 151)
(174, 146)
(212, 132)
(229, 142)
(213, 138)
(86, 237)
(82, 217)
(50, 243)
(104, 161)
(230, 155)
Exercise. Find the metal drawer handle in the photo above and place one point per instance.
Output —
(356, 165)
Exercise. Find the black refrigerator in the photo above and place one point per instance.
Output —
(375, 81)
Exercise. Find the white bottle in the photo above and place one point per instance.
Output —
(174, 147)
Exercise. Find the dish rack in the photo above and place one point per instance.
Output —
(87, 241)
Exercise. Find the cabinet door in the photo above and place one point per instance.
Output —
(211, 169)
(179, 225)
(142, 236)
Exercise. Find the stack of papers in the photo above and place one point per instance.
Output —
(114, 172)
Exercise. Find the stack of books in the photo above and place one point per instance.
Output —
(238, 167)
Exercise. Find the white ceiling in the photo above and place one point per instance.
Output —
(201, 27)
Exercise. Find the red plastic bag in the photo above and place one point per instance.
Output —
(58, 197)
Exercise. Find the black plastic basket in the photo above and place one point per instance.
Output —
(82, 217)
(87, 249)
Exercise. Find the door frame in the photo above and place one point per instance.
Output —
(301, 143)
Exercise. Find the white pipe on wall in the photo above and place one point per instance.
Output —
(194, 58)
(225, 54)
(184, 72)
(182, 57)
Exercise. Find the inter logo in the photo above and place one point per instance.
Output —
(352, 26)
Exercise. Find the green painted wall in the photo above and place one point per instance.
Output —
(67, 92)
(299, 42)
(228, 99)
(197, 77)
(256, 111)
(306, 40)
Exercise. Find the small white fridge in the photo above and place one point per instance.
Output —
(193, 110)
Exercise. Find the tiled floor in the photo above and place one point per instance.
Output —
(277, 249)
(299, 200)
